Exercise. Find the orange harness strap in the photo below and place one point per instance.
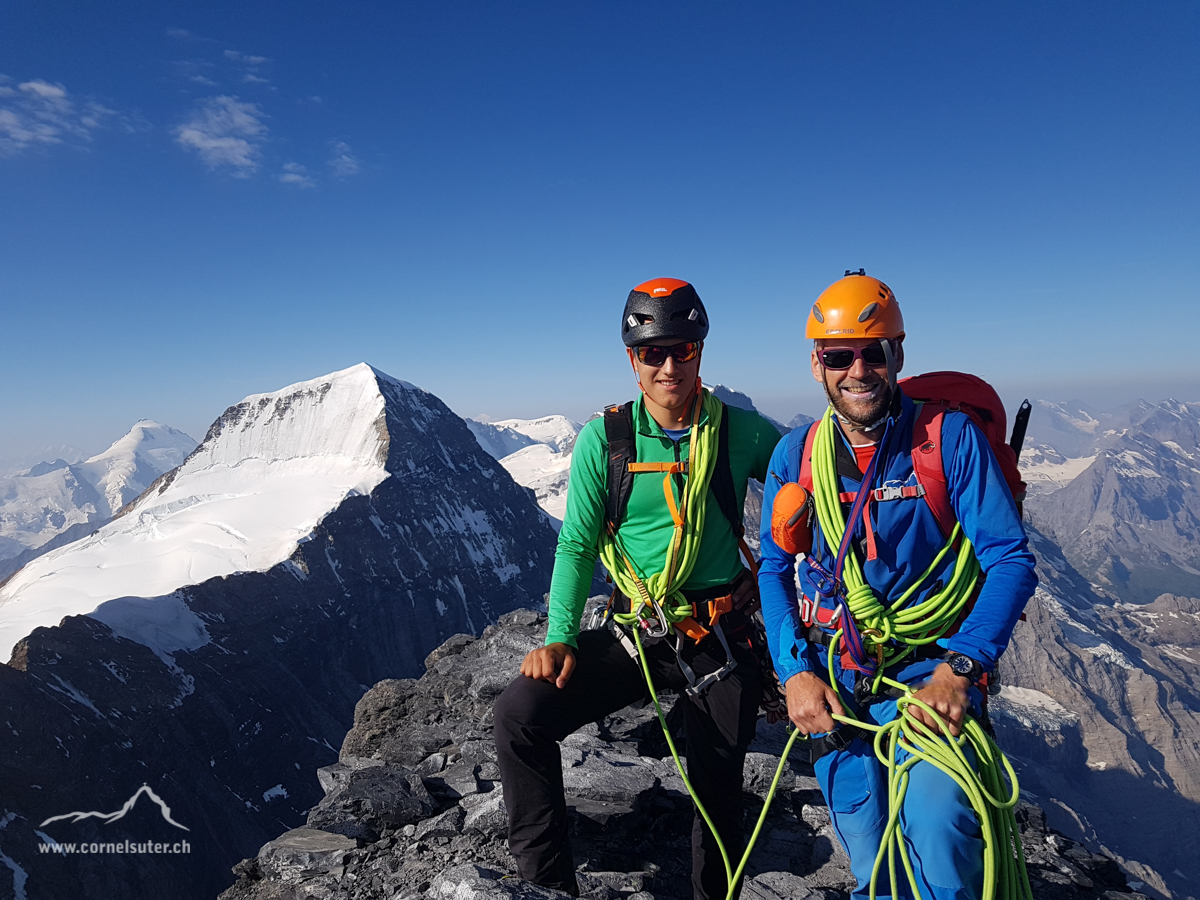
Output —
(669, 468)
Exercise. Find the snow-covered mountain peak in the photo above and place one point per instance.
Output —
(268, 471)
(556, 432)
(506, 436)
(56, 502)
(338, 417)
(132, 463)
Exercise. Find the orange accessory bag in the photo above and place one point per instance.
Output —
(791, 526)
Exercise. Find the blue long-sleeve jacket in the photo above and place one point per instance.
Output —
(907, 539)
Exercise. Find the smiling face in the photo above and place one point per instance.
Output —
(668, 387)
(859, 394)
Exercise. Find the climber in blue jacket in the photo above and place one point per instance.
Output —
(858, 333)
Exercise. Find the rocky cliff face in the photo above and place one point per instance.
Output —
(413, 807)
(1129, 521)
(1104, 720)
(230, 626)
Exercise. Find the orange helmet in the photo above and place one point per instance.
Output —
(857, 306)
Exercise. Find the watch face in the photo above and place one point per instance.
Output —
(960, 665)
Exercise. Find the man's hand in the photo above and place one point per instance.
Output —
(947, 694)
(812, 704)
(554, 663)
(745, 594)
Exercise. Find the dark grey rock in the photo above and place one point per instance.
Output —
(371, 800)
(486, 814)
(303, 853)
(446, 824)
(469, 882)
(629, 817)
(337, 776)
(780, 886)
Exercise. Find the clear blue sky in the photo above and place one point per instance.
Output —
(204, 200)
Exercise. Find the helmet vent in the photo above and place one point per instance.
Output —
(817, 314)
(868, 311)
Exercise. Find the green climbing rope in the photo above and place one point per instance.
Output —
(889, 633)
(660, 594)
(732, 876)
(1004, 873)
(659, 598)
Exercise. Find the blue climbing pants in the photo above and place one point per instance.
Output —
(942, 834)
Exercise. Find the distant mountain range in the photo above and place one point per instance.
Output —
(54, 503)
(536, 453)
(1121, 494)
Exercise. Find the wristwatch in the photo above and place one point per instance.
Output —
(964, 666)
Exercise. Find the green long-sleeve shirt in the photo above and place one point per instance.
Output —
(647, 527)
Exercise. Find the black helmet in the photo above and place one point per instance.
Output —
(663, 308)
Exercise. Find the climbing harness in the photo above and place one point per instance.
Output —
(657, 604)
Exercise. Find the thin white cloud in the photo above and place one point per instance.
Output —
(343, 162)
(296, 175)
(226, 133)
(249, 65)
(178, 33)
(37, 112)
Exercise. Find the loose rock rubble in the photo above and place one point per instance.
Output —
(413, 810)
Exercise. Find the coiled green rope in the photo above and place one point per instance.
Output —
(889, 632)
(660, 592)
(1004, 874)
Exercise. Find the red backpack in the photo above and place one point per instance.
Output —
(941, 392)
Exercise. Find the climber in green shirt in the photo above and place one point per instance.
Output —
(656, 492)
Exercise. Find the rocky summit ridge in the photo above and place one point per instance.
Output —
(413, 807)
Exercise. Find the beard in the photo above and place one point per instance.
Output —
(858, 413)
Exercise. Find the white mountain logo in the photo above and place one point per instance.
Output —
(120, 813)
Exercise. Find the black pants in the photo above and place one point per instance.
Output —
(531, 717)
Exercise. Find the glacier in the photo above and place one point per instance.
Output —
(265, 475)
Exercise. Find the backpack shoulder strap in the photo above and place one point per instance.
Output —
(721, 485)
(806, 476)
(927, 464)
(622, 450)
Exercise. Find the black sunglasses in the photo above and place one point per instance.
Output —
(872, 356)
(652, 355)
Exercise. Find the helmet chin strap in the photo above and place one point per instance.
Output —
(891, 364)
(890, 357)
